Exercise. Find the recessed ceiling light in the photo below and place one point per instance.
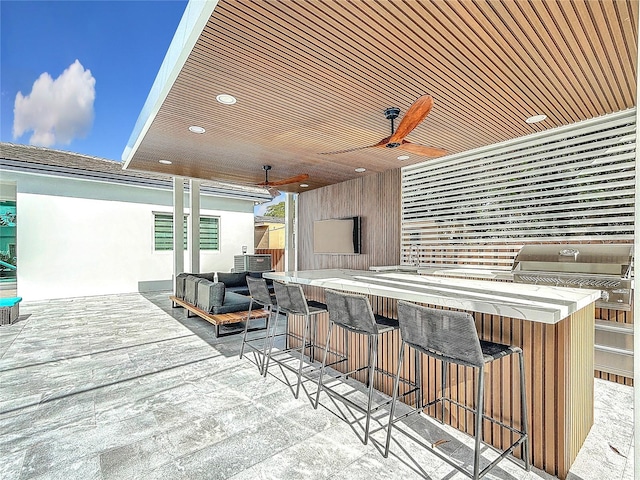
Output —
(404, 157)
(360, 169)
(536, 118)
(226, 99)
(304, 185)
(196, 129)
(165, 162)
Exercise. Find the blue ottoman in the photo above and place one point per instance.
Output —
(9, 310)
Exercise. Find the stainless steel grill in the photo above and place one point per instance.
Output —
(603, 267)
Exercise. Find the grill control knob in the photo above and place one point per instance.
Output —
(604, 295)
(569, 252)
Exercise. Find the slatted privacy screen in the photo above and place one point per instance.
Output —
(570, 184)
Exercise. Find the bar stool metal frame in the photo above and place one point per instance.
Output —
(353, 313)
(451, 336)
(292, 301)
(260, 296)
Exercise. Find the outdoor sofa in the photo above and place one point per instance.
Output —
(229, 294)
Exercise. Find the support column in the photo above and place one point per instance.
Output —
(178, 219)
(636, 296)
(194, 226)
(290, 232)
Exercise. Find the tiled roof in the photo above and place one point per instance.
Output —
(264, 219)
(69, 164)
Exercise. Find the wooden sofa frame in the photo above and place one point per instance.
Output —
(222, 318)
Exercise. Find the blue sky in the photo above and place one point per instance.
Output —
(262, 208)
(80, 70)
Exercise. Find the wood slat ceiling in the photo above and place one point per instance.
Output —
(315, 76)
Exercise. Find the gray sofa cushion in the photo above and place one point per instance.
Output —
(243, 290)
(232, 280)
(210, 295)
(233, 302)
(215, 297)
(180, 280)
(191, 289)
(206, 276)
(182, 277)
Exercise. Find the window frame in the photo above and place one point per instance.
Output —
(168, 247)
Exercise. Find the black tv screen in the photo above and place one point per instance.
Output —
(337, 236)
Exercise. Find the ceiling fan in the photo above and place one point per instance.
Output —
(286, 181)
(414, 116)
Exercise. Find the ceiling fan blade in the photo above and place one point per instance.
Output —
(286, 181)
(273, 192)
(421, 149)
(416, 114)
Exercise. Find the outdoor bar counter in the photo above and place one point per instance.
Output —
(553, 325)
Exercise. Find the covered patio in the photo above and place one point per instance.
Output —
(124, 386)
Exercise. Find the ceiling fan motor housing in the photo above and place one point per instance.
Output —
(391, 113)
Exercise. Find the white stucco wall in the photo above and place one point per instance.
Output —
(81, 238)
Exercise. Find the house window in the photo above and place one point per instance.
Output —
(209, 238)
(163, 232)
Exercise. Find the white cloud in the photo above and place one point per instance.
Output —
(57, 111)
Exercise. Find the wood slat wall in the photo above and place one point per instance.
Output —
(376, 199)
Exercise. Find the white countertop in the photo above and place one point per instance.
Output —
(449, 271)
(516, 300)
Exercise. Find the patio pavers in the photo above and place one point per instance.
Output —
(124, 386)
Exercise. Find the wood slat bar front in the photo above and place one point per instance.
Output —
(558, 370)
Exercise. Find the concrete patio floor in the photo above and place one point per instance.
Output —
(124, 386)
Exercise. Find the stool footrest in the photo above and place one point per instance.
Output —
(255, 353)
(461, 468)
(469, 409)
(330, 390)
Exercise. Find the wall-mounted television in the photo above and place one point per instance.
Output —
(338, 236)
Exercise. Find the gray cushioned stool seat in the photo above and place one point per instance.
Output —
(353, 313)
(260, 298)
(451, 337)
(292, 301)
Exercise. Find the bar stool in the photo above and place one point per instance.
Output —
(353, 313)
(451, 337)
(292, 301)
(261, 297)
